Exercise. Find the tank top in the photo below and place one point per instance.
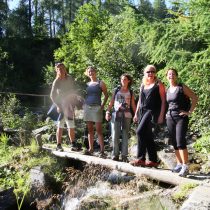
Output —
(93, 94)
(150, 100)
(174, 103)
(125, 100)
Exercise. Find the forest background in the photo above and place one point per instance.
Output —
(116, 36)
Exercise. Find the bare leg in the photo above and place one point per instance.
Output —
(71, 132)
(59, 133)
(90, 135)
(184, 155)
(100, 135)
(178, 157)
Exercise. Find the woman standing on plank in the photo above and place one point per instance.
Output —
(124, 103)
(178, 96)
(150, 110)
(93, 109)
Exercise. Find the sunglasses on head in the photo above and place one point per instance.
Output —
(152, 72)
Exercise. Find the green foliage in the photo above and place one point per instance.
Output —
(183, 192)
(21, 187)
(183, 43)
(202, 144)
(4, 141)
(10, 114)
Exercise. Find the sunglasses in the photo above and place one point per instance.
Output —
(152, 72)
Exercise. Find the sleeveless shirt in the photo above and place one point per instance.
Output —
(125, 100)
(174, 103)
(94, 93)
(150, 100)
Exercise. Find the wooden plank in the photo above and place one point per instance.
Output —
(165, 176)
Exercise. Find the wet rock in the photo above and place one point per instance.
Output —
(7, 199)
(93, 203)
(116, 177)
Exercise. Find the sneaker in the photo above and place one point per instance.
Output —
(177, 168)
(184, 171)
(152, 164)
(137, 162)
(59, 148)
(115, 158)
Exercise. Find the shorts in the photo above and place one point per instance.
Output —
(69, 123)
(93, 113)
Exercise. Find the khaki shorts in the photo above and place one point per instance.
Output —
(93, 113)
(69, 123)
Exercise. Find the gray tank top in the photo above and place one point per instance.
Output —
(93, 94)
(173, 103)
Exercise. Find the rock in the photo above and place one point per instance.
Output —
(168, 159)
(193, 167)
(117, 177)
(38, 138)
(198, 199)
(41, 130)
(133, 150)
(93, 203)
(7, 199)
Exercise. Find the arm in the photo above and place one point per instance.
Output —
(108, 112)
(104, 90)
(194, 99)
(163, 102)
(53, 95)
(133, 104)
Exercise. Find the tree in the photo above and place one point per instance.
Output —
(184, 43)
(160, 9)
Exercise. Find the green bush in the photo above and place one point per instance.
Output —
(203, 144)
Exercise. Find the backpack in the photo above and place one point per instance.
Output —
(185, 102)
(131, 93)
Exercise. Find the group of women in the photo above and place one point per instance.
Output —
(150, 110)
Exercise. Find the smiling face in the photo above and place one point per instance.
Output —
(172, 75)
(60, 71)
(150, 73)
(124, 81)
(91, 73)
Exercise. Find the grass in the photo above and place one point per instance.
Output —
(183, 192)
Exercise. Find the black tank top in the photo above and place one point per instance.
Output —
(150, 100)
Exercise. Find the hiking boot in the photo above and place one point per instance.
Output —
(124, 159)
(115, 158)
(88, 152)
(137, 162)
(152, 164)
(59, 148)
(184, 171)
(73, 146)
(102, 155)
(177, 168)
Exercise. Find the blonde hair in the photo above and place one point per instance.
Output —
(144, 80)
(63, 73)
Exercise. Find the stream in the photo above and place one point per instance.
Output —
(96, 187)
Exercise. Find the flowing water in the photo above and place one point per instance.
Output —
(135, 193)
